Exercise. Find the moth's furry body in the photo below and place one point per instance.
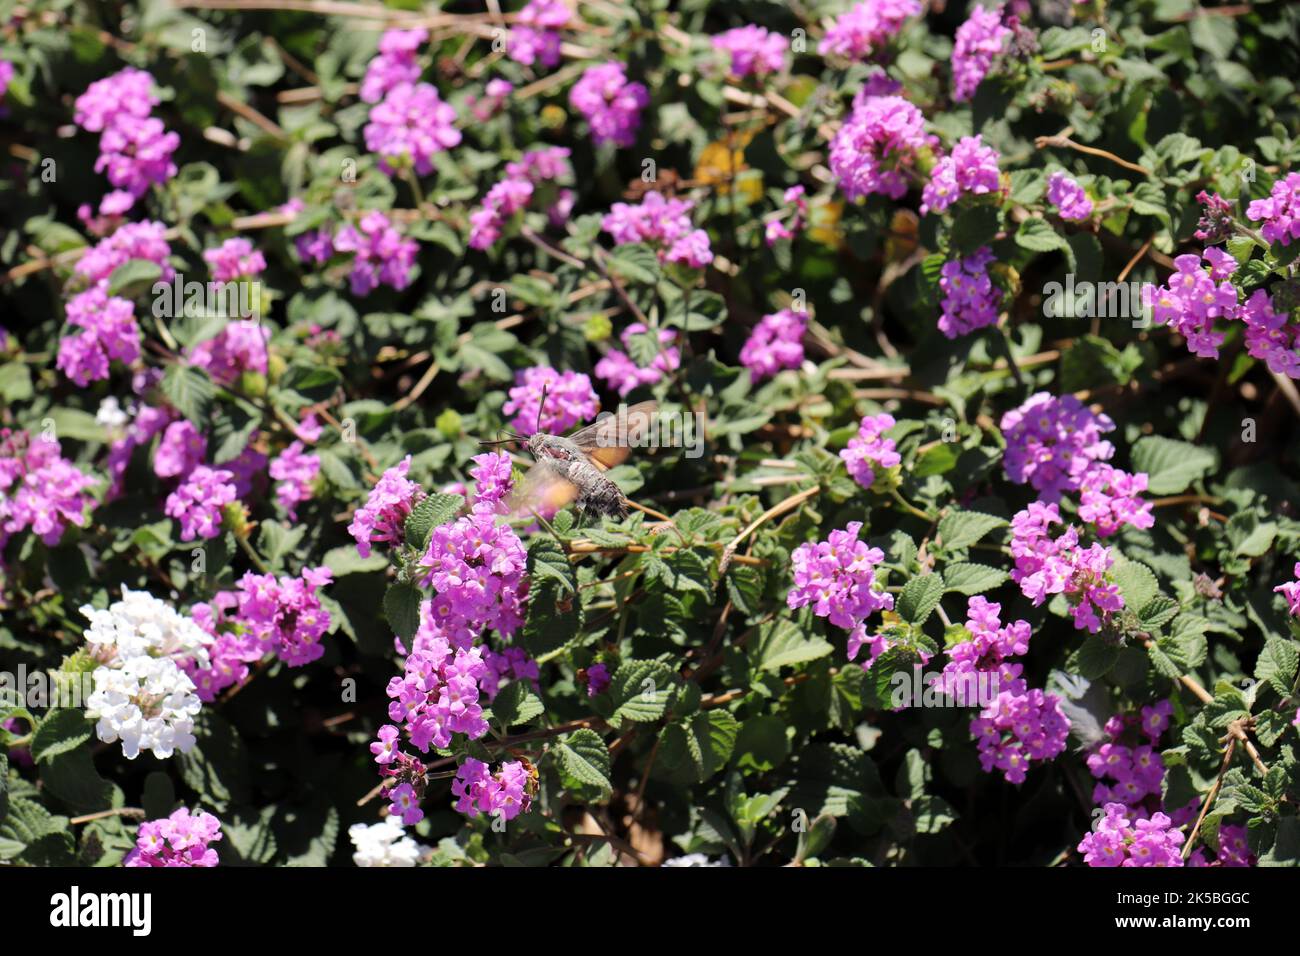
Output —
(565, 459)
(572, 468)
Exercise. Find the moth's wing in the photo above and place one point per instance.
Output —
(541, 490)
(609, 441)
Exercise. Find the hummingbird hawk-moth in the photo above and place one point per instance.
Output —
(573, 468)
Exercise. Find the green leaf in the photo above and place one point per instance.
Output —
(251, 836)
(71, 776)
(324, 827)
(78, 425)
(1249, 536)
(436, 509)
(932, 814)
(1149, 200)
(1095, 657)
(683, 570)
(1086, 251)
(190, 390)
(277, 542)
(61, 731)
(701, 745)
(967, 578)
(337, 468)
(1270, 726)
(344, 560)
(216, 768)
(635, 262)
(483, 349)
(780, 644)
(1027, 186)
(815, 838)
(961, 529)
(554, 619)
(34, 835)
(402, 609)
(938, 460)
(583, 761)
(533, 291)
(232, 428)
(1137, 583)
(313, 381)
(15, 382)
(920, 597)
(1277, 664)
(1170, 465)
(516, 704)
(1093, 361)
(1056, 42)
(745, 585)
(1177, 654)
(1284, 850)
(548, 562)
(191, 329)
(641, 690)
(761, 744)
(973, 227)
(1037, 235)
(132, 278)
(1158, 611)
(105, 842)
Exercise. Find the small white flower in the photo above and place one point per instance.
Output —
(384, 844)
(110, 413)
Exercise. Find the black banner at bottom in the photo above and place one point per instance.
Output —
(317, 904)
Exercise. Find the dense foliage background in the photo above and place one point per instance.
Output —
(687, 680)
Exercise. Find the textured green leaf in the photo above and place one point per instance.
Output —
(961, 529)
(641, 690)
(583, 761)
(402, 609)
(761, 744)
(61, 731)
(216, 768)
(516, 703)
(548, 562)
(1170, 465)
(920, 597)
(967, 578)
(434, 510)
(190, 390)
(1095, 657)
(700, 745)
(1037, 235)
(1158, 611)
(1277, 664)
(781, 644)
(1137, 583)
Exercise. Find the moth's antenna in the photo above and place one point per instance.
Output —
(504, 441)
(541, 407)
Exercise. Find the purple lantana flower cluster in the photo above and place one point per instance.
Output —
(611, 103)
(135, 149)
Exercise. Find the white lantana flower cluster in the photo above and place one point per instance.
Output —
(384, 844)
(142, 696)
